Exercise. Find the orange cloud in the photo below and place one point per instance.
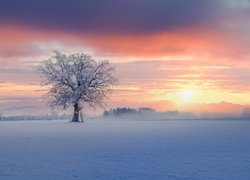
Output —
(212, 46)
(187, 44)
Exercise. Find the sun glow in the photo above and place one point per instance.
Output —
(186, 95)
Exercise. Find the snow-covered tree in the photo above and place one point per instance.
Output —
(77, 80)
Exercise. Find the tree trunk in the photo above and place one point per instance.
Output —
(81, 115)
(76, 113)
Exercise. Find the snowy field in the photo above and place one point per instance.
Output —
(134, 150)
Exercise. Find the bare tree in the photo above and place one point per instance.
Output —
(77, 80)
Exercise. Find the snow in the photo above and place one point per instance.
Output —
(109, 149)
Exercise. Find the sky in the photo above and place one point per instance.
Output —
(186, 55)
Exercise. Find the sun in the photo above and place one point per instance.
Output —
(186, 95)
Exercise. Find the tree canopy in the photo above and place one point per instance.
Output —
(77, 79)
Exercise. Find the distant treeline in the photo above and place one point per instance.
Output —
(40, 117)
(151, 114)
(145, 113)
(126, 111)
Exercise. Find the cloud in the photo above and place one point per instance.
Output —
(20, 51)
(130, 16)
(161, 80)
(143, 29)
